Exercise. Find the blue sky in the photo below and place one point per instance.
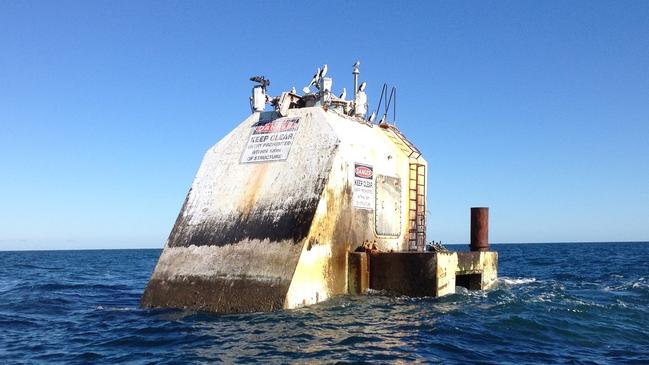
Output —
(537, 109)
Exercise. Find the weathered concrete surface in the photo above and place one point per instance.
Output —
(232, 201)
(239, 236)
(261, 236)
(358, 273)
(404, 273)
(432, 274)
(445, 273)
(481, 269)
(489, 262)
(247, 277)
(224, 295)
(338, 226)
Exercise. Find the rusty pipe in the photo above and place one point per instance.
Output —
(479, 229)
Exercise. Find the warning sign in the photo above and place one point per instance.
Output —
(363, 189)
(270, 141)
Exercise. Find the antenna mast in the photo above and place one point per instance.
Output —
(356, 72)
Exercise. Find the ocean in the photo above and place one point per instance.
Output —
(585, 303)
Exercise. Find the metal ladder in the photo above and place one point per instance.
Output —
(416, 190)
(417, 207)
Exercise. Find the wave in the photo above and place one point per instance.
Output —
(517, 281)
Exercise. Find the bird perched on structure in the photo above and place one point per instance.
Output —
(343, 94)
(362, 87)
(355, 69)
(316, 77)
(323, 72)
(293, 91)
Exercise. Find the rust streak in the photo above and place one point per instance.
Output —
(252, 188)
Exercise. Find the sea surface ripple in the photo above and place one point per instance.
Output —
(553, 303)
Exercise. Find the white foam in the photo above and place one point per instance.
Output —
(517, 281)
(376, 292)
(120, 309)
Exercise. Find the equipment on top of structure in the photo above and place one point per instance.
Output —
(279, 206)
(259, 98)
(356, 71)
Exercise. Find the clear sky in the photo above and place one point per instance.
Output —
(537, 109)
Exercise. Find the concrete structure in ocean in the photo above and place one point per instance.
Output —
(280, 206)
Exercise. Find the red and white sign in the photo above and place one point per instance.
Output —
(363, 171)
(271, 141)
(363, 195)
(278, 125)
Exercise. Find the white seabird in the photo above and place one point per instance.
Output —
(315, 78)
(343, 94)
(324, 71)
(362, 87)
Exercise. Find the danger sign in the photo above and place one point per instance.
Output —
(363, 189)
(270, 141)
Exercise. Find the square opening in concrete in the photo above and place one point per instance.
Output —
(469, 281)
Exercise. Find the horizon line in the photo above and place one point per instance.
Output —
(445, 244)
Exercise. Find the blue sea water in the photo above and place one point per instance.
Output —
(553, 303)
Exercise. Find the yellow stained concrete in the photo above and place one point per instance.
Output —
(445, 273)
(489, 264)
(337, 227)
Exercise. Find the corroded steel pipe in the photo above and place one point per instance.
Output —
(479, 229)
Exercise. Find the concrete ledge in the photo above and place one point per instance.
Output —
(414, 274)
(224, 295)
(477, 270)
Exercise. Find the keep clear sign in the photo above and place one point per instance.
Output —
(270, 141)
(363, 189)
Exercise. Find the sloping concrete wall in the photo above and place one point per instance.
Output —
(240, 233)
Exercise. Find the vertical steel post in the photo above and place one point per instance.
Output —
(355, 72)
(479, 229)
